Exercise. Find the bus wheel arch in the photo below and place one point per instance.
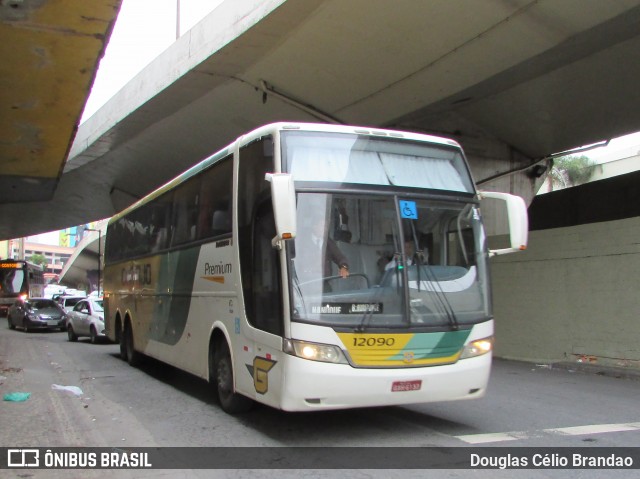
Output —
(221, 375)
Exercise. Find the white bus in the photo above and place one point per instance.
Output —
(312, 267)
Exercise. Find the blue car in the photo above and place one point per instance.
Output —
(36, 313)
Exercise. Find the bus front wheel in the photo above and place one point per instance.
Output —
(230, 401)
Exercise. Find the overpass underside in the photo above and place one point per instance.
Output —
(50, 51)
(513, 82)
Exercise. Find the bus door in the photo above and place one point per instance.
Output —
(264, 309)
(258, 363)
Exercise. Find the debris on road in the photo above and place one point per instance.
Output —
(16, 397)
(72, 389)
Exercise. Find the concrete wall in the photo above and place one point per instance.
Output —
(617, 167)
(572, 296)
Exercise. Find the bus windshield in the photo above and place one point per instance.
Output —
(11, 281)
(367, 261)
(360, 159)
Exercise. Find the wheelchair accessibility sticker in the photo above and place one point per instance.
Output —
(408, 210)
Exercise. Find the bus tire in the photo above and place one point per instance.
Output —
(123, 348)
(230, 401)
(120, 339)
(133, 356)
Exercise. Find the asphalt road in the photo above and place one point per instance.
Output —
(155, 405)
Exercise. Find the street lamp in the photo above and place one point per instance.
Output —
(99, 254)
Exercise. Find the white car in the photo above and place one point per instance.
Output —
(86, 319)
(69, 302)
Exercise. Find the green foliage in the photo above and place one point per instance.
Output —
(572, 170)
(38, 259)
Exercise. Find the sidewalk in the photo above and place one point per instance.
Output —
(598, 369)
(607, 370)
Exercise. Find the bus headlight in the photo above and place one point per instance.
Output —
(326, 353)
(477, 348)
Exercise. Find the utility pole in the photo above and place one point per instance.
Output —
(177, 19)
(99, 255)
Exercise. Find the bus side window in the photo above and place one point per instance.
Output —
(214, 214)
(221, 220)
(185, 212)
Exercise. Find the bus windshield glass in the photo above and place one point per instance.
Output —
(384, 261)
(11, 281)
(359, 159)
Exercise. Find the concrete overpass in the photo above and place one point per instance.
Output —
(514, 82)
(84, 268)
(50, 51)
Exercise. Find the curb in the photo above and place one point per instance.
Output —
(599, 370)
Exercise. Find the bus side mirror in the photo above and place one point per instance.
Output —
(518, 221)
(283, 195)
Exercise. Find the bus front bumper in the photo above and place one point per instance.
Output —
(314, 385)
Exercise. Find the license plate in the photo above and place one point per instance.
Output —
(52, 322)
(399, 386)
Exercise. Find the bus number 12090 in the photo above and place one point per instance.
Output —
(373, 341)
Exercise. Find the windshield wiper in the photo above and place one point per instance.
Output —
(438, 292)
(440, 296)
(367, 315)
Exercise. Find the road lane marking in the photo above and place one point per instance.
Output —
(594, 429)
(491, 437)
(565, 431)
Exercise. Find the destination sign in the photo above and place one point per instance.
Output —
(347, 308)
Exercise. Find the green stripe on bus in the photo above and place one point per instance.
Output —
(172, 310)
(434, 345)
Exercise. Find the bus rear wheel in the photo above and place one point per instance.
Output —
(126, 345)
(230, 401)
(120, 340)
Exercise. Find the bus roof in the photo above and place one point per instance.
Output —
(271, 128)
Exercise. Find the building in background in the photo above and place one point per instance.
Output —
(56, 256)
(57, 247)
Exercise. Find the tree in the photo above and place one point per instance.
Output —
(571, 170)
(38, 259)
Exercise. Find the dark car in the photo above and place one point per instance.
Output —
(36, 313)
